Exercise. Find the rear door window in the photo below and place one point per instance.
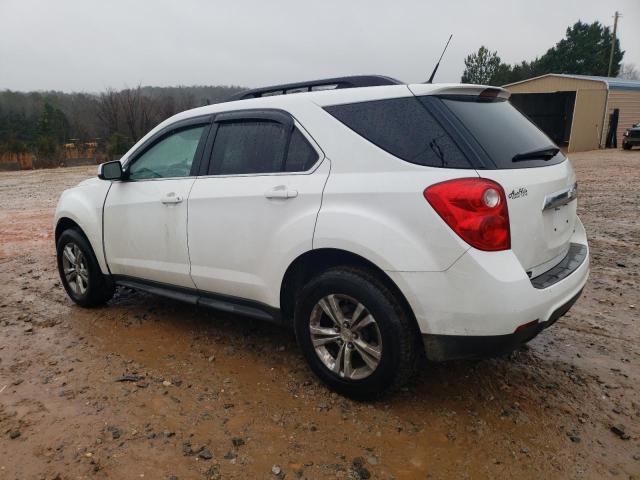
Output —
(301, 155)
(258, 147)
(404, 128)
(502, 131)
(249, 147)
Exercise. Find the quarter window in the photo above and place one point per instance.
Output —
(169, 158)
(404, 128)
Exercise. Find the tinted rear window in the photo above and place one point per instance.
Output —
(502, 131)
(404, 128)
(249, 147)
(259, 146)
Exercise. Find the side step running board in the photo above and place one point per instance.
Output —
(196, 297)
(226, 306)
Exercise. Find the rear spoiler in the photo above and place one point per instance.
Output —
(457, 89)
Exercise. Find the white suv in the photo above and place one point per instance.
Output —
(381, 220)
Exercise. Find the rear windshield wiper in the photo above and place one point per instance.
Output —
(541, 154)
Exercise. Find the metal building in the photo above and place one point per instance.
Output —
(577, 111)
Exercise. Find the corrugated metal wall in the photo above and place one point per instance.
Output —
(589, 109)
(555, 84)
(628, 101)
(589, 127)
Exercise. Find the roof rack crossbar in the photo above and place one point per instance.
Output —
(338, 82)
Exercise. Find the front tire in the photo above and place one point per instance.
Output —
(79, 271)
(355, 334)
(626, 146)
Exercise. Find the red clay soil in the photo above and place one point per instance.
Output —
(151, 388)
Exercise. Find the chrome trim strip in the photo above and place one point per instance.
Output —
(558, 199)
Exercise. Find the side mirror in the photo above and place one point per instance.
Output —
(110, 170)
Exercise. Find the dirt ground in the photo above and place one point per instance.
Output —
(216, 396)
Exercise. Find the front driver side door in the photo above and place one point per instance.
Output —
(145, 215)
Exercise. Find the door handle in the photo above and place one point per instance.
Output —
(171, 199)
(281, 191)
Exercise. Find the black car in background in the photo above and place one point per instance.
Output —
(631, 137)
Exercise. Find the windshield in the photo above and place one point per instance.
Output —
(504, 133)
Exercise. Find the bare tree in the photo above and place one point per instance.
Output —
(108, 110)
(629, 72)
(141, 111)
(167, 106)
(131, 109)
(186, 100)
(149, 113)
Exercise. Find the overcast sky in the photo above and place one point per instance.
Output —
(89, 45)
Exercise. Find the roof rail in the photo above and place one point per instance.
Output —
(325, 84)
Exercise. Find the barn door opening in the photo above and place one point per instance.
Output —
(612, 137)
(551, 112)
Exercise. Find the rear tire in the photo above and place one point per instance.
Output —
(80, 272)
(626, 146)
(372, 349)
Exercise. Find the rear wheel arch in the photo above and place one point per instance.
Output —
(314, 262)
(368, 346)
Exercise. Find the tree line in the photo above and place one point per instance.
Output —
(584, 50)
(43, 122)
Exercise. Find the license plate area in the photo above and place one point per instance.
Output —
(559, 223)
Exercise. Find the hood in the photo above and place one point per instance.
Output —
(88, 182)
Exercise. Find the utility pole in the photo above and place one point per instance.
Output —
(613, 41)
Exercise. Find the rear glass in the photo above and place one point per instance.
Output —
(502, 131)
(404, 128)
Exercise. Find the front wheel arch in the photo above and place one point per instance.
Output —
(66, 223)
(101, 287)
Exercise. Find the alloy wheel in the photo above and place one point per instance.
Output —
(74, 265)
(345, 336)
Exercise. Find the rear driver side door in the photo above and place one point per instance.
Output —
(253, 210)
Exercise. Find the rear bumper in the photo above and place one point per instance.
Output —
(455, 347)
(489, 295)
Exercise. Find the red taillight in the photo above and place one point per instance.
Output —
(476, 209)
